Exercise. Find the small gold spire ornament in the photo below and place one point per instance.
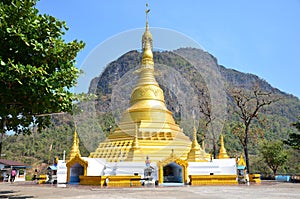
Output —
(222, 154)
(75, 147)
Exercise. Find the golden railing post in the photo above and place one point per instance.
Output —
(160, 174)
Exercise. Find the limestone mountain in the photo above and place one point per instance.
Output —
(183, 61)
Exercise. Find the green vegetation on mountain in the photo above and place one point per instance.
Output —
(294, 138)
(42, 147)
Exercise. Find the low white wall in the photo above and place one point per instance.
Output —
(215, 167)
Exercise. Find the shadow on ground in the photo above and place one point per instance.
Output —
(12, 195)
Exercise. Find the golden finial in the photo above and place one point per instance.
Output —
(147, 11)
(147, 44)
(195, 130)
(195, 143)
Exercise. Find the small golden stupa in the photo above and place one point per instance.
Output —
(223, 153)
(75, 148)
(196, 153)
(147, 127)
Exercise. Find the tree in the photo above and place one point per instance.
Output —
(206, 109)
(294, 138)
(273, 153)
(249, 104)
(37, 67)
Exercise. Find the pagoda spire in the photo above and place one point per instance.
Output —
(147, 38)
(147, 79)
(194, 154)
(147, 69)
(195, 143)
(147, 12)
(222, 154)
(75, 147)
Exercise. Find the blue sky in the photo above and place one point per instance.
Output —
(258, 37)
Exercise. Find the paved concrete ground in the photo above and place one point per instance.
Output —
(272, 190)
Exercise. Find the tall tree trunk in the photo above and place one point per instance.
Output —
(1, 145)
(214, 149)
(1, 141)
(247, 158)
(3, 125)
(214, 142)
(274, 172)
(246, 148)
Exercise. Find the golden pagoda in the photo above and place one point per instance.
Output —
(147, 131)
(196, 153)
(75, 147)
(147, 127)
(223, 153)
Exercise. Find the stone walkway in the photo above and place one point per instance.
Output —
(272, 190)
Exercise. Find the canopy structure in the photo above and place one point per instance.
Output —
(7, 165)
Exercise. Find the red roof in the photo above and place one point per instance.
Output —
(11, 163)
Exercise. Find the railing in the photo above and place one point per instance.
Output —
(295, 178)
